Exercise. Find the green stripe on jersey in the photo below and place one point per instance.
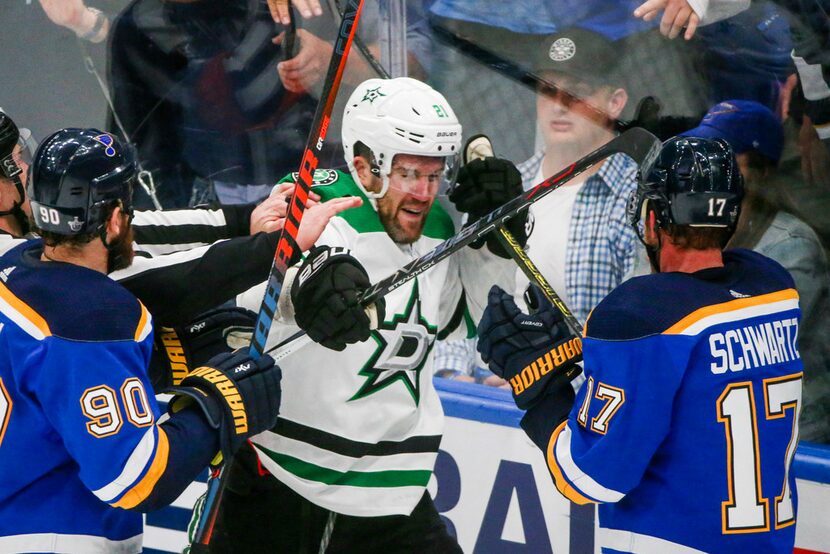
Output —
(331, 184)
(366, 479)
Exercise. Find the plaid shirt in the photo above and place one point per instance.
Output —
(602, 246)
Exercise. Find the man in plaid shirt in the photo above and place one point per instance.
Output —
(578, 234)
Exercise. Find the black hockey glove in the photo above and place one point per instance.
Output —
(324, 296)
(537, 354)
(484, 185)
(239, 396)
(177, 350)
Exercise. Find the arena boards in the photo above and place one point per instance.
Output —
(491, 485)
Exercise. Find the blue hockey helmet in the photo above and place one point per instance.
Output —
(76, 176)
(694, 182)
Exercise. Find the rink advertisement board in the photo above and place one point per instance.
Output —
(492, 488)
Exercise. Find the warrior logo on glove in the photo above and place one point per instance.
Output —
(536, 353)
(557, 357)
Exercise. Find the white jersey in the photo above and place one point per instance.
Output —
(359, 430)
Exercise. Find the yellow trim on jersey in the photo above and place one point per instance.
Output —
(143, 488)
(559, 480)
(730, 306)
(24, 310)
(144, 325)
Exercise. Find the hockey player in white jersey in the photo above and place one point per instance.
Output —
(361, 422)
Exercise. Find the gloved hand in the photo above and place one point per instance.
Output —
(536, 354)
(325, 294)
(484, 185)
(239, 396)
(177, 350)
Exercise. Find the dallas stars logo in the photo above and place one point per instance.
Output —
(372, 94)
(403, 347)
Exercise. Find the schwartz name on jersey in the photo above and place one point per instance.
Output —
(693, 382)
(359, 430)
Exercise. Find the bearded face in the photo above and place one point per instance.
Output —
(120, 252)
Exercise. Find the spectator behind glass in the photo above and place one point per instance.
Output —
(578, 235)
(86, 22)
(196, 86)
(769, 225)
(579, 238)
(747, 56)
(307, 68)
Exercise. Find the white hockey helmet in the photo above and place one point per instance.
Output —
(400, 116)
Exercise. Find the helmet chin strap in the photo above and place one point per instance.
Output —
(16, 210)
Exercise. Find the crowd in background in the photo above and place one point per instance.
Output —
(218, 97)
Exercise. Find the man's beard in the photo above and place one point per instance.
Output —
(120, 251)
(394, 229)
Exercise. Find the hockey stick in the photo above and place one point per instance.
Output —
(361, 46)
(638, 144)
(287, 243)
(480, 148)
(532, 272)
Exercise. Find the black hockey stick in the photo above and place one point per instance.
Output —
(287, 244)
(638, 144)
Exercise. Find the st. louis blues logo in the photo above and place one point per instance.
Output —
(107, 141)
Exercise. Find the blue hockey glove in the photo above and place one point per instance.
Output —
(535, 353)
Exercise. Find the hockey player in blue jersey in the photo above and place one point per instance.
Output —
(685, 427)
(82, 451)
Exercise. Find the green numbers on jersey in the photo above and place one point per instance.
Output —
(747, 510)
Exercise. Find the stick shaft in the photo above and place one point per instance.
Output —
(287, 244)
(637, 143)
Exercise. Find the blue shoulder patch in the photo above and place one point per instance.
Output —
(77, 303)
(650, 304)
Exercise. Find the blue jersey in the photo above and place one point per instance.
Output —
(78, 439)
(687, 423)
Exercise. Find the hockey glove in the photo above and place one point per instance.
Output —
(537, 354)
(325, 294)
(484, 185)
(177, 350)
(239, 396)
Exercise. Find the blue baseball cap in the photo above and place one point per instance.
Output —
(745, 125)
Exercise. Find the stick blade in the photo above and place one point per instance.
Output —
(639, 145)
